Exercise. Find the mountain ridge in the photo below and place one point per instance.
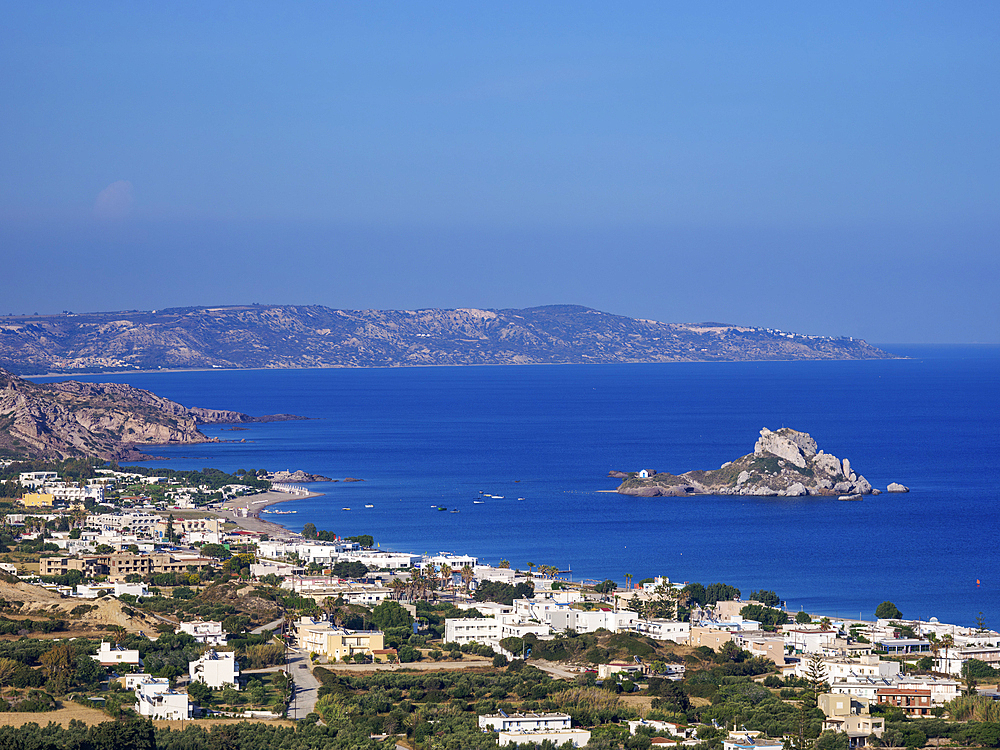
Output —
(302, 336)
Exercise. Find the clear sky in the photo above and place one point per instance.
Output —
(825, 168)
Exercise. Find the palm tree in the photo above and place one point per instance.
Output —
(7, 669)
(467, 575)
(947, 642)
(397, 585)
(446, 573)
(505, 564)
(118, 634)
(530, 566)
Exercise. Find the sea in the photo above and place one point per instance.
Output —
(523, 453)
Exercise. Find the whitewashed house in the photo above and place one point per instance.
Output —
(216, 669)
(208, 632)
(157, 700)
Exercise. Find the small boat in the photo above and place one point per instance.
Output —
(369, 506)
(442, 507)
(455, 511)
(520, 498)
(478, 502)
(345, 508)
(498, 497)
(850, 497)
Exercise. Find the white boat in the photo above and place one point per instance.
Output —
(478, 502)
(369, 506)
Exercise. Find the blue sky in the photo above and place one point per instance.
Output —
(828, 170)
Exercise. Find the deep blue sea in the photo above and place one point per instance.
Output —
(423, 437)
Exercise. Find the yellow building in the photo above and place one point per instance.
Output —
(326, 639)
(38, 500)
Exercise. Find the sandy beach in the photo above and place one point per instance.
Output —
(254, 504)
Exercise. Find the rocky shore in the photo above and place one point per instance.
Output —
(784, 463)
(55, 421)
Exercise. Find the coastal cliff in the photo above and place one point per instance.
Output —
(785, 463)
(271, 336)
(102, 420)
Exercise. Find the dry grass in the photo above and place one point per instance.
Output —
(92, 716)
(62, 716)
(642, 703)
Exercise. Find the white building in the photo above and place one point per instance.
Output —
(216, 669)
(110, 655)
(138, 524)
(951, 661)
(207, 632)
(375, 560)
(580, 621)
(677, 730)
(158, 701)
(35, 479)
(455, 562)
(665, 630)
(71, 493)
(839, 669)
(489, 573)
(750, 741)
(485, 630)
(519, 629)
(502, 722)
(262, 568)
(521, 728)
(809, 640)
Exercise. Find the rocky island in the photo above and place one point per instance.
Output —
(100, 420)
(784, 463)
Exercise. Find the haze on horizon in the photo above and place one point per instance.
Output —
(824, 170)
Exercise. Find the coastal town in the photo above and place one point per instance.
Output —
(193, 609)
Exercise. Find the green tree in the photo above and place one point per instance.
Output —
(829, 740)
(390, 614)
(887, 611)
(135, 734)
(816, 675)
(767, 598)
(309, 531)
(803, 618)
(217, 551)
(200, 693)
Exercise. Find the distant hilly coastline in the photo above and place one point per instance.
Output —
(272, 336)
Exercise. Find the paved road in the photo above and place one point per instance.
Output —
(306, 685)
(554, 669)
(267, 626)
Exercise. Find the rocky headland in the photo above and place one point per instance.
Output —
(100, 420)
(784, 463)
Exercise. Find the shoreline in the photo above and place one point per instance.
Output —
(470, 364)
(254, 504)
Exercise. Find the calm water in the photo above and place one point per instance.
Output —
(550, 434)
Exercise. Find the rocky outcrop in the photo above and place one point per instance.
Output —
(784, 463)
(897, 487)
(313, 336)
(101, 420)
(294, 477)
